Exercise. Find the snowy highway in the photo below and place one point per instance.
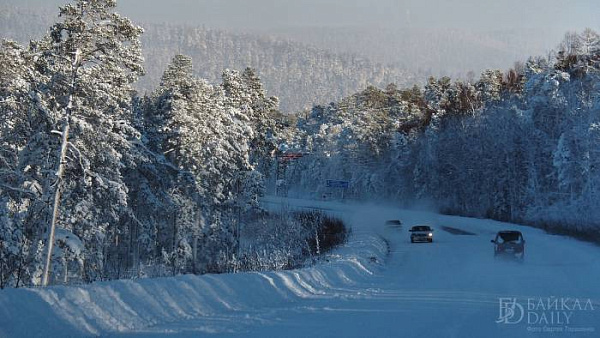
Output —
(452, 287)
(379, 285)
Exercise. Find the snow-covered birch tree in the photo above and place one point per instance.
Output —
(87, 63)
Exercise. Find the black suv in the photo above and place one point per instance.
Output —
(510, 243)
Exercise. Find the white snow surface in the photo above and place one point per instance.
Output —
(377, 285)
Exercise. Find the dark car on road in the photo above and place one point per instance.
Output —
(421, 233)
(509, 243)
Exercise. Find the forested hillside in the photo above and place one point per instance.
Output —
(425, 51)
(520, 145)
(299, 75)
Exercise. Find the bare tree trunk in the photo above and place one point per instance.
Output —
(195, 255)
(195, 243)
(82, 270)
(19, 272)
(61, 167)
(174, 251)
(66, 268)
(317, 242)
(57, 196)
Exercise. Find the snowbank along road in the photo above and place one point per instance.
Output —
(378, 285)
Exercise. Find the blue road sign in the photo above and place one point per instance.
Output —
(337, 184)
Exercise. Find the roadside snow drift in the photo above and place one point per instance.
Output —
(134, 305)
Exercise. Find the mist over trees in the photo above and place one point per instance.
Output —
(300, 75)
(428, 51)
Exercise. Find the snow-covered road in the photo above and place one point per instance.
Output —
(378, 285)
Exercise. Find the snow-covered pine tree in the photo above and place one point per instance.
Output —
(177, 136)
(263, 112)
(25, 143)
(87, 64)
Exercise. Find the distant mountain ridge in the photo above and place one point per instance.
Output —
(429, 51)
(298, 74)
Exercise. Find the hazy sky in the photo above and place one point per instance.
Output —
(554, 15)
(480, 33)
